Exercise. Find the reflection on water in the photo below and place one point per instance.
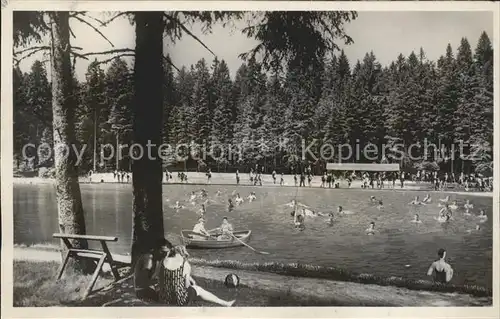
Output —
(397, 243)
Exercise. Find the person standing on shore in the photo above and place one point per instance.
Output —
(237, 177)
(209, 176)
(274, 177)
(440, 268)
(282, 181)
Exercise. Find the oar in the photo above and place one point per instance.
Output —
(257, 251)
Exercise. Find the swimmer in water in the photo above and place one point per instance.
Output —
(177, 206)
(311, 213)
(416, 219)
(230, 205)
(373, 199)
(238, 201)
(476, 229)
(468, 205)
(445, 200)
(427, 199)
(482, 217)
(299, 221)
(341, 211)
(441, 269)
(453, 206)
(444, 214)
(251, 197)
(203, 193)
(193, 196)
(331, 219)
(380, 205)
(416, 201)
(371, 229)
(218, 193)
(201, 212)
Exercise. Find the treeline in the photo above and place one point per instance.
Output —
(269, 116)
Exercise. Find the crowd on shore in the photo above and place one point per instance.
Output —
(438, 181)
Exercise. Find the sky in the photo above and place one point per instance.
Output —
(387, 34)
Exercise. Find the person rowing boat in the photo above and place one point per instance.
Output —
(225, 230)
(199, 228)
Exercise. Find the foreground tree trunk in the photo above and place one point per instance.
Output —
(69, 200)
(148, 111)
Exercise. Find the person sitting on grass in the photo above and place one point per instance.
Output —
(146, 271)
(441, 269)
(177, 286)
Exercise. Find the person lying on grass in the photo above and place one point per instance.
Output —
(177, 287)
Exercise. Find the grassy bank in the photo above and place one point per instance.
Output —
(297, 270)
(338, 274)
(35, 286)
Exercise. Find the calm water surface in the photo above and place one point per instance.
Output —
(398, 242)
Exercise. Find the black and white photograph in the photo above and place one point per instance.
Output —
(252, 158)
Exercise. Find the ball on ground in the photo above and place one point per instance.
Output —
(232, 281)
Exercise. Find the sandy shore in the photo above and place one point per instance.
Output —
(346, 293)
(229, 179)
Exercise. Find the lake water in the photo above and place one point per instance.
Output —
(397, 243)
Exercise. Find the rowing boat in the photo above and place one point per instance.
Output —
(195, 240)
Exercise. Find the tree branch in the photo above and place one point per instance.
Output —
(183, 27)
(105, 23)
(71, 32)
(170, 62)
(18, 60)
(78, 55)
(109, 52)
(116, 57)
(95, 29)
(32, 48)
